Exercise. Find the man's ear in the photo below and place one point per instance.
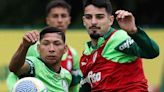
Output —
(111, 20)
(38, 47)
(69, 20)
(65, 48)
(83, 18)
(47, 21)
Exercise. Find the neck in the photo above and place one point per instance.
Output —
(94, 42)
(57, 68)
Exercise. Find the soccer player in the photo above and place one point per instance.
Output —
(46, 67)
(58, 15)
(111, 61)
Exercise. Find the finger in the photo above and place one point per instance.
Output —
(26, 38)
(35, 35)
(126, 14)
(122, 14)
(118, 11)
(119, 14)
(31, 36)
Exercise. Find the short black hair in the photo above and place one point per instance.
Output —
(49, 29)
(99, 3)
(58, 3)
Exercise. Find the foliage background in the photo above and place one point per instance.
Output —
(31, 13)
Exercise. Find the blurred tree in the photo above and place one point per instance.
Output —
(32, 12)
(22, 12)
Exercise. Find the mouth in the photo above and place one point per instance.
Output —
(94, 28)
(51, 57)
(60, 27)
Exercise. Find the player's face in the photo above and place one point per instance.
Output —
(58, 17)
(97, 21)
(52, 48)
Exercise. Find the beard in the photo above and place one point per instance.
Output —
(95, 36)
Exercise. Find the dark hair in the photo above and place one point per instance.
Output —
(58, 3)
(99, 3)
(52, 30)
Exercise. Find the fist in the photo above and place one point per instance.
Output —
(30, 38)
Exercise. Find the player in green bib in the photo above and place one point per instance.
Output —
(46, 67)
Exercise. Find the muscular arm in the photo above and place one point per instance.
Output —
(17, 64)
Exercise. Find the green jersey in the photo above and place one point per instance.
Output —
(74, 66)
(32, 51)
(11, 80)
(55, 82)
(76, 74)
(122, 48)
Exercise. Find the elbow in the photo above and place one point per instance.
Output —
(154, 54)
(12, 68)
(151, 54)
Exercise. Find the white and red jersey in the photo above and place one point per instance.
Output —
(68, 62)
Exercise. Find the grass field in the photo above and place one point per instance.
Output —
(10, 39)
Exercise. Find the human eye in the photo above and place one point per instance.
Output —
(57, 43)
(87, 16)
(99, 16)
(63, 15)
(55, 16)
(45, 43)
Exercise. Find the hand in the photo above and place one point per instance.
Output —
(30, 38)
(126, 21)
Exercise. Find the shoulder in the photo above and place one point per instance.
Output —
(118, 37)
(120, 34)
(73, 50)
(33, 60)
(66, 73)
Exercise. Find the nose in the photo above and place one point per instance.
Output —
(94, 21)
(59, 19)
(51, 48)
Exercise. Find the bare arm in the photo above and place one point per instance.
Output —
(17, 63)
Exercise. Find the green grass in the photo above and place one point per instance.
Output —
(10, 39)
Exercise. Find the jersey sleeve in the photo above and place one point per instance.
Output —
(139, 45)
(31, 69)
(111, 53)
